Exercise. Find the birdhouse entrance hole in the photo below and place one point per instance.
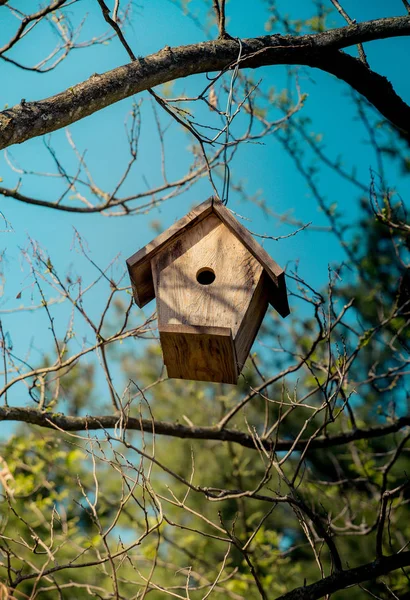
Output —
(205, 276)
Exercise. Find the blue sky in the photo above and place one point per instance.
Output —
(264, 168)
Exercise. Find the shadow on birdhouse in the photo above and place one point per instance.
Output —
(213, 283)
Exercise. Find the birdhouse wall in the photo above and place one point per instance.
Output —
(177, 247)
(182, 300)
(139, 264)
(199, 353)
(251, 322)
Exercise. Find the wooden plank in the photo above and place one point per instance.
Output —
(275, 272)
(252, 321)
(141, 283)
(199, 353)
(182, 244)
(211, 246)
(139, 264)
(270, 266)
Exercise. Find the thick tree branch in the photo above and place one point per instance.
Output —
(343, 579)
(67, 423)
(377, 89)
(322, 50)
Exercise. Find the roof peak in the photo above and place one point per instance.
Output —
(139, 264)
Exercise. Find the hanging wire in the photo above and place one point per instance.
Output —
(228, 115)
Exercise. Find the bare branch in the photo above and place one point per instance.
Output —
(350, 21)
(96, 422)
(344, 579)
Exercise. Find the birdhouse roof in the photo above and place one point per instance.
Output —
(139, 264)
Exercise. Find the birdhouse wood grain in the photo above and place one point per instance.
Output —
(213, 283)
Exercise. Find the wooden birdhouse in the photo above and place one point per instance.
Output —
(213, 283)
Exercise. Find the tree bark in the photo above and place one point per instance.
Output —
(323, 51)
(343, 579)
(91, 423)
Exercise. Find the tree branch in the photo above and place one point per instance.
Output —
(25, 21)
(30, 119)
(407, 5)
(374, 87)
(68, 423)
(343, 579)
(350, 21)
